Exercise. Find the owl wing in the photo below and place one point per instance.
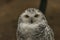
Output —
(18, 33)
(49, 33)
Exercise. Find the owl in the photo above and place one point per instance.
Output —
(32, 25)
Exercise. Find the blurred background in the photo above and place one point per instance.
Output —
(11, 9)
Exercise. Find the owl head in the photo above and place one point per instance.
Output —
(32, 15)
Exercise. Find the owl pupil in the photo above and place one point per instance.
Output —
(26, 16)
(36, 15)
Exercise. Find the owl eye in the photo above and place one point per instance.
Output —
(26, 16)
(36, 15)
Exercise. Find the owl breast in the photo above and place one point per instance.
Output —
(28, 28)
(30, 31)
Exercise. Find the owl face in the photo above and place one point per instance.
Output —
(31, 16)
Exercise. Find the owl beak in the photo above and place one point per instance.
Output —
(31, 21)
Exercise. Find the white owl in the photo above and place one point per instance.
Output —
(32, 25)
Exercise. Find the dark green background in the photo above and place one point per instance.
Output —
(11, 9)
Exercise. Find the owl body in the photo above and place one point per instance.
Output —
(32, 25)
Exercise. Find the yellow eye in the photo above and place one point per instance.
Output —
(36, 15)
(26, 16)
